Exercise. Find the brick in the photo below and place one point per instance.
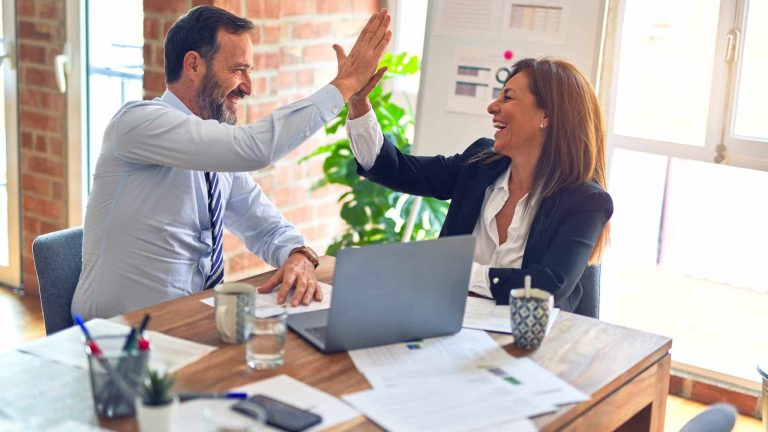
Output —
(234, 6)
(232, 244)
(332, 6)
(27, 142)
(154, 81)
(294, 8)
(39, 121)
(36, 185)
(148, 57)
(709, 394)
(40, 144)
(299, 215)
(151, 28)
(58, 190)
(305, 77)
(367, 6)
(32, 54)
(258, 111)
(271, 34)
(263, 9)
(56, 146)
(50, 9)
(41, 99)
(165, 6)
(45, 208)
(290, 54)
(25, 8)
(241, 262)
(318, 53)
(43, 78)
(36, 31)
(30, 224)
(44, 165)
(347, 29)
(311, 30)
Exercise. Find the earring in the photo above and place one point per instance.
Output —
(541, 126)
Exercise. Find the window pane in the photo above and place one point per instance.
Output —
(751, 111)
(3, 162)
(665, 69)
(115, 65)
(409, 37)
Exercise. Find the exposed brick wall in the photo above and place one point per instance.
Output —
(293, 57)
(42, 127)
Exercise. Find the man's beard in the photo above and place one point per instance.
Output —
(212, 105)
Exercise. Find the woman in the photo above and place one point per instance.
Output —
(534, 197)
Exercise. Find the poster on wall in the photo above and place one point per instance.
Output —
(462, 18)
(478, 77)
(542, 21)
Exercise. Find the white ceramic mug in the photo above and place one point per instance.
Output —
(233, 302)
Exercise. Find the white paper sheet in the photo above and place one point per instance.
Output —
(451, 403)
(190, 416)
(271, 300)
(467, 353)
(399, 364)
(168, 352)
(485, 314)
(477, 18)
(39, 394)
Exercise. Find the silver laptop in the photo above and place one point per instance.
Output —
(392, 293)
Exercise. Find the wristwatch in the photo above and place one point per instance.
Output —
(307, 252)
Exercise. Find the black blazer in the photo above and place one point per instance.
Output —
(563, 233)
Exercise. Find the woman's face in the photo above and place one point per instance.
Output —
(520, 124)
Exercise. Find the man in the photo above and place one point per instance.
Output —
(171, 172)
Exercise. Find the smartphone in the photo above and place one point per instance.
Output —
(279, 414)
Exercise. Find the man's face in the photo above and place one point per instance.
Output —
(226, 78)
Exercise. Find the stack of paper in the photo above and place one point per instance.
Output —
(463, 382)
(168, 352)
(485, 314)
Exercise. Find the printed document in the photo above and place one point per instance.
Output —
(67, 346)
(485, 314)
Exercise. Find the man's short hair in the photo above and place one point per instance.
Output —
(196, 31)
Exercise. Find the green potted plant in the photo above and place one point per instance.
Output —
(158, 403)
(373, 213)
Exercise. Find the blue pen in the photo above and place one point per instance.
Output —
(185, 396)
(79, 322)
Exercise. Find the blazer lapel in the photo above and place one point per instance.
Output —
(469, 201)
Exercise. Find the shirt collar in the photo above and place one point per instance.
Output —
(502, 181)
(174, 101)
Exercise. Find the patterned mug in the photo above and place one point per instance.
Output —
(530, 309)
(233, 302)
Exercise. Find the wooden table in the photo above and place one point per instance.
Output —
(625, 371)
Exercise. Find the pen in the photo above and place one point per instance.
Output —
(143, 325)
(185, 396)
(129, 339)
(96, 352)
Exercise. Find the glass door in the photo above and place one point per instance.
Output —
(10, 274)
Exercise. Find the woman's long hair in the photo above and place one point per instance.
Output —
(574, 148)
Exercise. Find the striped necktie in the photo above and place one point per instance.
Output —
(214, 210)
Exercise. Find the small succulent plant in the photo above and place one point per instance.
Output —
(156, 389)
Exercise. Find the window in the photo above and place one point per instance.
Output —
(686, 89)
(10, 273)
(105, 65)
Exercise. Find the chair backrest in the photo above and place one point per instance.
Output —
(58, 261)
(719, 417)
(589, 305)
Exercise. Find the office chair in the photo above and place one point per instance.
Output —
(58, 260)
(719, 417)
(589, 305)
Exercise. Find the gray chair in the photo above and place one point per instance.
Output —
(719, 417)
(589, 305)
(58, 261)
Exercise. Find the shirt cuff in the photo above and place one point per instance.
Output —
(479, 283)
(365, 138)
(328, 101)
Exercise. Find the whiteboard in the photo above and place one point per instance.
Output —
(467, 42)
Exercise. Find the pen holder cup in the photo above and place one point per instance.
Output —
(116, 376)
(530, 316)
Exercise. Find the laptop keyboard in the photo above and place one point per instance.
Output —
(317, 332)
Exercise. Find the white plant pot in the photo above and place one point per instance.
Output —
(156, 418)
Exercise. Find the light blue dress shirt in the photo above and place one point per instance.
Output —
(147, 233)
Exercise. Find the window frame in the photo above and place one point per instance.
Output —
(11, 275)
(740, 153)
